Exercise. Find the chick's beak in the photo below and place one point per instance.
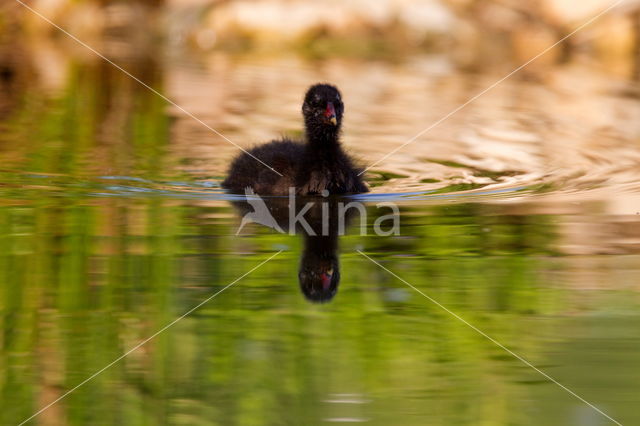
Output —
(326, 277)
(330, 114)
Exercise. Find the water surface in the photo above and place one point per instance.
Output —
(520, 214)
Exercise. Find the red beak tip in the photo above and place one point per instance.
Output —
(330, 111)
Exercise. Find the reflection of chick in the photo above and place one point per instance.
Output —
(260, 213)
(319, 273)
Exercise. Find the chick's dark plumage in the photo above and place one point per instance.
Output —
(311, 166)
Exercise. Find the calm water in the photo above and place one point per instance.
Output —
(521, 214)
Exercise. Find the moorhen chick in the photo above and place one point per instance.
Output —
(311, 166)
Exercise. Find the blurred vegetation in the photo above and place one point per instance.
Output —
(467, 29)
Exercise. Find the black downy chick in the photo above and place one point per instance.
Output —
(312, 166)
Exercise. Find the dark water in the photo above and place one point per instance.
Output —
(519, 214)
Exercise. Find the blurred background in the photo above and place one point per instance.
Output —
(242, 67)
(521, 213)
(467, 30)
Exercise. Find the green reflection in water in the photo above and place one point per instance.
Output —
(86, 279)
